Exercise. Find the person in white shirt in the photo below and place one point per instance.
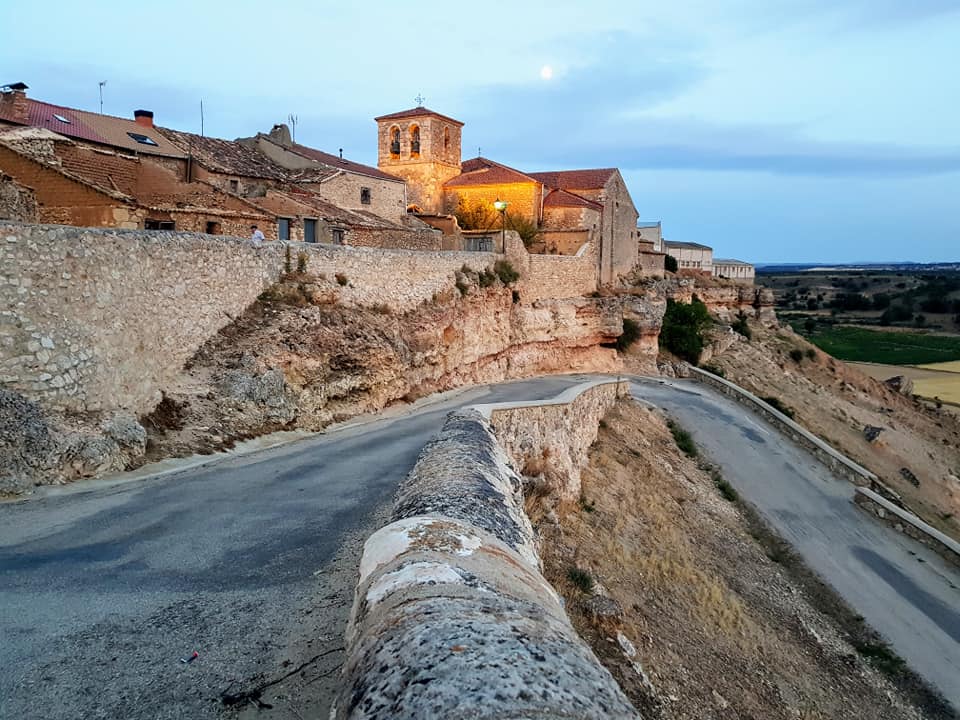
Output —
(257, 237)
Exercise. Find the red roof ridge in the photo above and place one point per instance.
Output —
(416, 112)
(582, 179)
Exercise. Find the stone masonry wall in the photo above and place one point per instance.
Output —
(549, 276)
(554, 436)
(452, 616)
(94, 319)
(17, 202)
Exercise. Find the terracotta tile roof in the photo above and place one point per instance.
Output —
(226, 156)
(564, 198)
(416, 112)
(296, 202)
(103, 129)
(52, 167)
(481, 171)
(575, 179)
(686, 245)
(338, 163)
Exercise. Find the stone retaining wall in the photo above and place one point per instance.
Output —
(104, 319)
(452, 617)
(909, 524)
(554, 435)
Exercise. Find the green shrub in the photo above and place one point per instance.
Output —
(683, 326)
(683, 439)
(670, 263)
(811, 354)
(796, 355)
(341, 279)
(630, 334)
(742, 326)
(524, 227)
(506, 273)
(475, 214)
(580, 578)
(587, 505)
(287, 261)
(487, 278)
(715, 369)
(302, 262)
(462, 286)
(777, 404)
(726, 489)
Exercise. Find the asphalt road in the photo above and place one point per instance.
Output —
(250, 561)
(906, 592)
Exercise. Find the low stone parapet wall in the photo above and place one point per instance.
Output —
(837, 462)
(907, 523)
(555, 434)
(870, 492)
(452, 616)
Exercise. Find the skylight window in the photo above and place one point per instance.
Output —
(61, 118)
(142, 139)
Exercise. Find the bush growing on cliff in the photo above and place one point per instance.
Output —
(796, 355)
(740, 325)
(287, 261)
(777, 404)
(341, 279)
(683, 326)
(630, 334)
(670, 263)
(505, 271)
(301, 262)
(683, 439)
(580, 578)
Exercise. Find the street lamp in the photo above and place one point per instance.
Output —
(501, 207)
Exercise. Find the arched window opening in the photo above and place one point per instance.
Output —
(446, 139)
(414, 140)
(395, 142)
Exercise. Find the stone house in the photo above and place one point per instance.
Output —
(736, 270)
(691, 256)
(570, 208)
(652, 258)
(347, 184)
(79, 184)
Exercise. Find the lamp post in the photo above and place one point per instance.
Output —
(501, 207)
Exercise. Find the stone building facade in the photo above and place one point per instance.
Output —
(17, 202)
(422, 147)
(691, 256)
(741, 272)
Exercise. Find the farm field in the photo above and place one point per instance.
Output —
(859, 344)
(940, 380)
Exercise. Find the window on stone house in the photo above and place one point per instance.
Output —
(365, 195)
(414, 140)
(234, 186)
(213, 227)
(151, 224)
(283, 228)
(337, 235)
(446, 139)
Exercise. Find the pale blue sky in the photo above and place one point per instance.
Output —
(796, 130)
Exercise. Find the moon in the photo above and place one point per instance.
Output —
(546, 72)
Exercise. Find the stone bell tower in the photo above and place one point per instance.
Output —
(422, 147)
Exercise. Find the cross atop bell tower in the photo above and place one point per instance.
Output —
(422, 147)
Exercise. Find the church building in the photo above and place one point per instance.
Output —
(569, 208)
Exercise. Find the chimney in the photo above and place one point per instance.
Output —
(13, 103)
(143, 117)
(280, 134)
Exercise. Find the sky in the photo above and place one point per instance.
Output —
(787, 131)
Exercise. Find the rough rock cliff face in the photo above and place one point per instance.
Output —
(294, 361)
(723, 299)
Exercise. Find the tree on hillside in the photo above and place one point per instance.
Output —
(670, 263)
(683, 326)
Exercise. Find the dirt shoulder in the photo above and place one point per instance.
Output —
(693, 606)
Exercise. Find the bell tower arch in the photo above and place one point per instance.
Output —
(422, 147)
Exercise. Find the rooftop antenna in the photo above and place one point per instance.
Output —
(101, 83)
(341, 153)
(201, 117)
(420, 100)
(293, 120)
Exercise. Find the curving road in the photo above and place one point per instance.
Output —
(251, 561)
(904, 590)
